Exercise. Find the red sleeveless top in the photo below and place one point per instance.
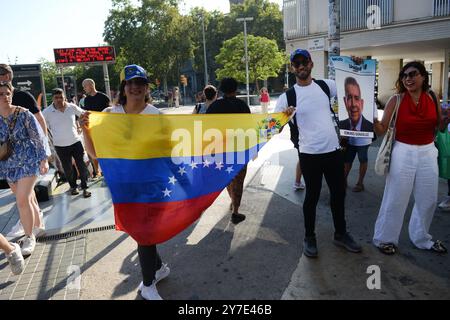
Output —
(416, 124)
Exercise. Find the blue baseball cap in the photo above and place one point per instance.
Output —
(300, 52)
(133, 71)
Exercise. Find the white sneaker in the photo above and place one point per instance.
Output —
(299, 186)
(150, 292)
(160, 274)
(39, 231)
(16, 260)
(445, 205)
(28, 245)
(18, 231)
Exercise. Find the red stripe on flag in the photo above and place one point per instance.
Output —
(153, 223)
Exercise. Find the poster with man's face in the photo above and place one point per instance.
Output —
(356, 96)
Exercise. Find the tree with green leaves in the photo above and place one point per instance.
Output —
(151, 33)
(268, 22)
(49, 73)
(265, 59)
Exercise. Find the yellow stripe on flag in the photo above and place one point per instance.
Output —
(131, 136)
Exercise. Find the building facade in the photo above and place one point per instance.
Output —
(391, 31)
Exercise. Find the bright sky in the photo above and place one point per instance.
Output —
(33, 28)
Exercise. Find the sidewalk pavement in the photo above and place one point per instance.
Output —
(260, 258)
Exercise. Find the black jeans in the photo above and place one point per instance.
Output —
(66, 154)
(150, 263)
(314, 167)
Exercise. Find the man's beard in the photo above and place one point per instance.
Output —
(303, 75)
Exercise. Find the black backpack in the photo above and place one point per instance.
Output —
(292, 102)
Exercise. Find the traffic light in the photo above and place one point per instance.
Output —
(183, 80)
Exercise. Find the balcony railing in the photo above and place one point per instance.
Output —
(295, 19)
(441, 8)
(364, 14)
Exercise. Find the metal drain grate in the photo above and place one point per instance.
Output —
(73, 233)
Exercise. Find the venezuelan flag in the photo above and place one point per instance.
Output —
(163, 171)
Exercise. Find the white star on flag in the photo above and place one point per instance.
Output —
(206, 163)
(219, 166)
(182, 171)
(229, 170)
(193, 165)
(167, 193)
(173, 180)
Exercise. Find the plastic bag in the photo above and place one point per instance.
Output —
(443, 145)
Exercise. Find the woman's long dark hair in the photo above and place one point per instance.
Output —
(421, 68)
(122, 98)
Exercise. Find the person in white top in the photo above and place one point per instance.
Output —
(320, 153)
(61, 120)
(134, 99)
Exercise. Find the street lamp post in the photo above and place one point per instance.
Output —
(204, 50)
(246, 53)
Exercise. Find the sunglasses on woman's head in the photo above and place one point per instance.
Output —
(406, 75)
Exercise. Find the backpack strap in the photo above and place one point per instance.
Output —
(292, 102)
(323, 85)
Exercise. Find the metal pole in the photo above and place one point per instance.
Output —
(44, 96)
(246, 62)
(63, 84)
(445, 96)
(334, 33)
(246, 54)
(204, 51)
(287, 76)
(106, 75)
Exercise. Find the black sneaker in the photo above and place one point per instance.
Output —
(237, 217)
(86, 194)
(74, 191)
(347, 242)
(310, 247)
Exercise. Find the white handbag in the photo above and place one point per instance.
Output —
(383, 159)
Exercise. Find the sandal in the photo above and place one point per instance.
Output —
(387, 248)
(438, 247)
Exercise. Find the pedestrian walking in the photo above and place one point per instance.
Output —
(61, 120)
(13, 255)
(264, 99)
(25, 158)
(94, 101)
(210, 94)
(320, 153)
(231, 104)
(26, 100)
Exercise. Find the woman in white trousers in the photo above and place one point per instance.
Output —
(413, 167)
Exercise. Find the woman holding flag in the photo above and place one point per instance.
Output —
(134, 99)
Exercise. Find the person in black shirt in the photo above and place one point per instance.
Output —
(231, 104)
(94, 101)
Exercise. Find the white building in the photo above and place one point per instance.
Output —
(391, 31)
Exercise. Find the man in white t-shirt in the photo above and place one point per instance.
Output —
(61, 120)
(320, 153)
